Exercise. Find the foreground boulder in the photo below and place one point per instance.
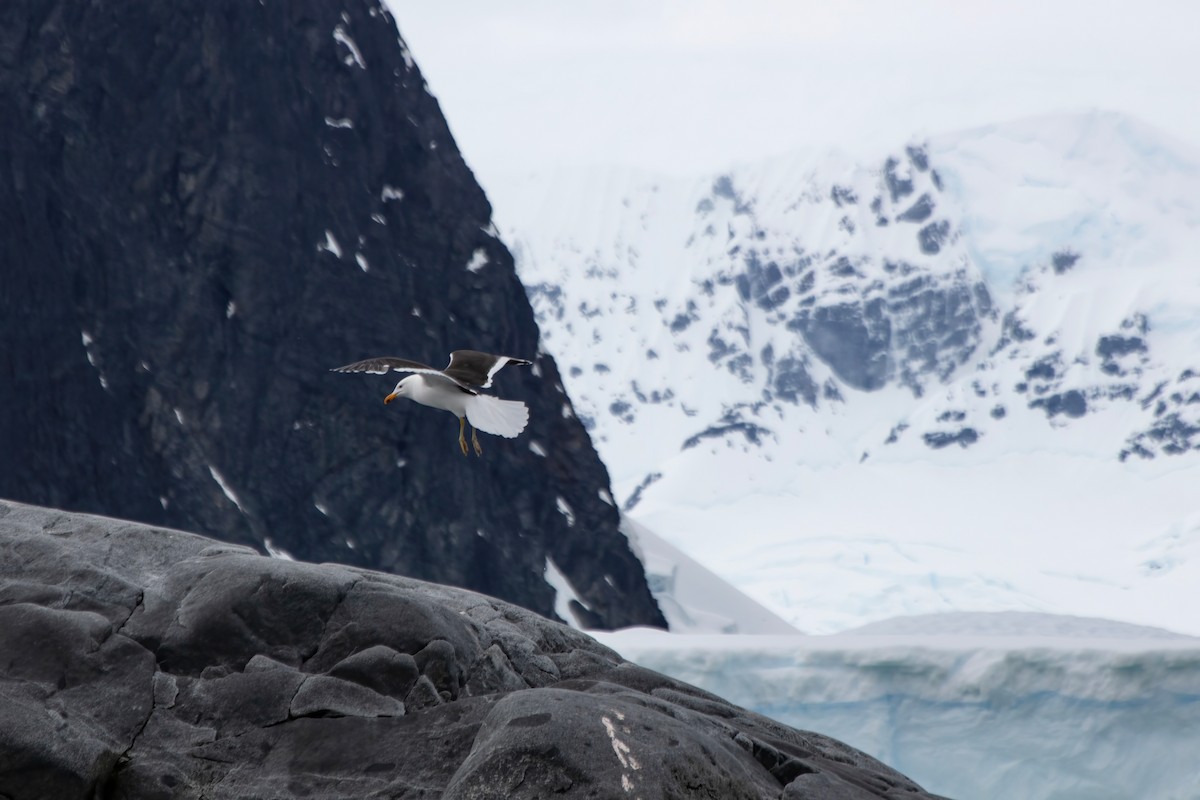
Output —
(138, 662)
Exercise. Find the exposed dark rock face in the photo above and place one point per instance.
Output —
(897, 186)
(853, 338)
(933, 236)
(1113, 349)
(1071, 403)
(1063, 261)
(912, 324)
(208, 205)
(1170, 433)
(918, 211)
(963, 437)
(148, 663)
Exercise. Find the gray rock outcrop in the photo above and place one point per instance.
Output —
(144, 663)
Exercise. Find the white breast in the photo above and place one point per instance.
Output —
(439, 393)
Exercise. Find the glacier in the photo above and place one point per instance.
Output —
(985, 706)
(979, 705)
(963, 375)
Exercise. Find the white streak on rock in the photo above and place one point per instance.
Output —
(275, 552)
(622, 751)
(564, 594)
(330, 244)
(220, 479)
(355, 56)
(565, 509)
(87, 349)
(478, 260)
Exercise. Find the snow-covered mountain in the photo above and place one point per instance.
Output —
(964, 375)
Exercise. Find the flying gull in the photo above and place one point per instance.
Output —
(456, 389)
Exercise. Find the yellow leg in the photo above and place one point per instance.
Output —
(462, 439)
(475, 441)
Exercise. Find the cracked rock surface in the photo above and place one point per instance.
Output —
(141, 662)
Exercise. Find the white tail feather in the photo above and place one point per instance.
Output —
(492, 415)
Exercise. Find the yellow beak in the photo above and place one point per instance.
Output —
(390, 398)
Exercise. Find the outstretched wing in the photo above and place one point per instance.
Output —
(473, 368)
(386, 364)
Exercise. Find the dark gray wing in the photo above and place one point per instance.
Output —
(386, 364)
(473, 368)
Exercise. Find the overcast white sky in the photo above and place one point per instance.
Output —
(692, 87)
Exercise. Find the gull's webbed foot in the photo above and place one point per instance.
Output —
(475, 442)
(462, 439)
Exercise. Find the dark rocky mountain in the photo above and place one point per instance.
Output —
(207, 205)
(148, 663)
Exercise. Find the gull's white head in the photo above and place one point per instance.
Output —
(403, 388)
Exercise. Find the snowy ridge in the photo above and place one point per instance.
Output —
(963, 375)
(694, 599)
